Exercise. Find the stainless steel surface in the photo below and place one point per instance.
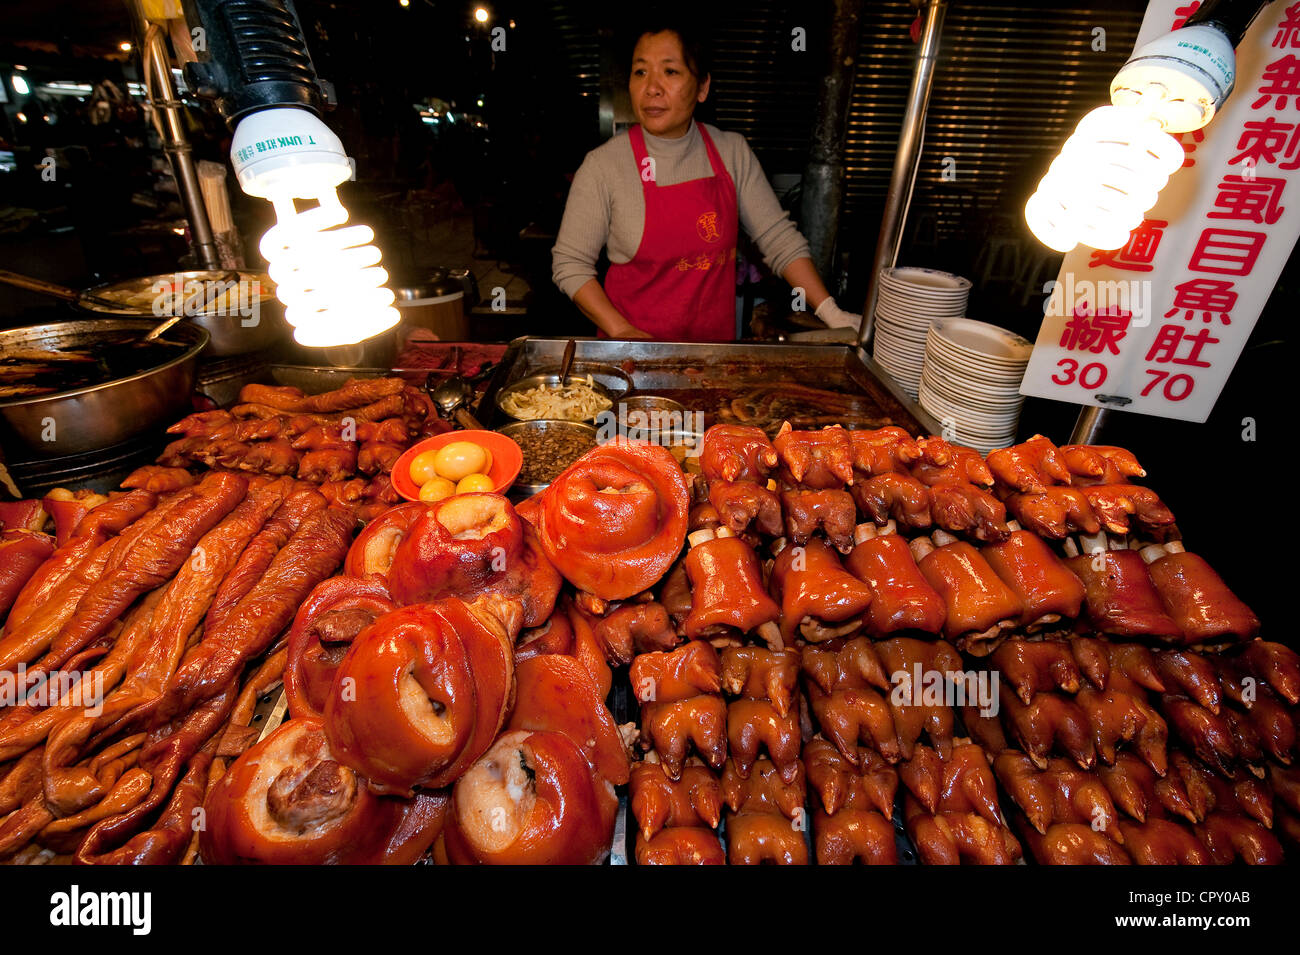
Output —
(1089, 424)
(675, 366)
(637, 404)
(170, 113)
(541, 425)
(907, 158)
(87, 419)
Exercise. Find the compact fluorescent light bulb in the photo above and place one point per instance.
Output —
(1111, 171)
(327, 274)
(1108, 174)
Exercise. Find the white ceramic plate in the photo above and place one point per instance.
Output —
(967, 414)
(993, 368)
(984, 339)
(920, 278)
(971, 377)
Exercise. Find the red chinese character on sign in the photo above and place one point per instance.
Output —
(1261, 141)
(1255, 200)
(1137, 253)
(1226, 251)
(1288, 31)
(1198, 137)
(1281, 79)
(1183, 12)
(1164, 350)
(1206, 296)
(1095, 333)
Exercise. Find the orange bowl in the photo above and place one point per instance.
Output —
(507, 459)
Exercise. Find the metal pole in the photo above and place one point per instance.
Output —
(823, 179)
(907, 159)
(1087, 428)
(177, 146)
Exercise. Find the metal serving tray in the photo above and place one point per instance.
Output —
(804, 380)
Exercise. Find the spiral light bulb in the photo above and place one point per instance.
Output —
(1108, 174)
(327, 273)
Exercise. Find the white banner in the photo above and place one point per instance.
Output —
(1156, 327)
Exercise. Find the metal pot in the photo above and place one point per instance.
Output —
(437, 302)
(87, 419)
(260, 326)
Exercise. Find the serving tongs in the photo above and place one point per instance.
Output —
(452, 397)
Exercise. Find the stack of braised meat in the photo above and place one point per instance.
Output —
(344, 441)
(1070, 684)
(141, 631)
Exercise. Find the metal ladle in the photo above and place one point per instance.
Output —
(451, 398)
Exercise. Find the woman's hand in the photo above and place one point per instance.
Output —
(628, 330)
(595, 304)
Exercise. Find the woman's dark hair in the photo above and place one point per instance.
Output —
(694, 50)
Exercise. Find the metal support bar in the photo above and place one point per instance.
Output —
(177, 146)
(823, 178)
(1087, 428)
(907, 158)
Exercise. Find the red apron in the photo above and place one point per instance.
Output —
(681, 284)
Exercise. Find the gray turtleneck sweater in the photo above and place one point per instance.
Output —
(606, 208)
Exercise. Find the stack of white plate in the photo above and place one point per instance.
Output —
(910, 301)
(971, 381)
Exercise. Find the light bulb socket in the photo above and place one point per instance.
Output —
(1232, 18)
(257, 57)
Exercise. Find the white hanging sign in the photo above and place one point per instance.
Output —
(1157, 326)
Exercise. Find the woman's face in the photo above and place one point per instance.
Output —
(664, 92)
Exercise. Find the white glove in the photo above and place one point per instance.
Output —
(835, 317)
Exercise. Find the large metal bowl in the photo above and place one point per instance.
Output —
(519, 429)
(98, 416)
(231, 333)
(612, 387)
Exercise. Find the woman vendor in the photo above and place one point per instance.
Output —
(665, 199)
